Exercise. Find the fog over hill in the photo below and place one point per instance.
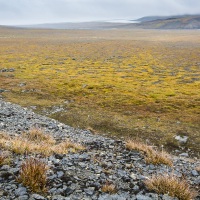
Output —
(171, 22)
(149, 22)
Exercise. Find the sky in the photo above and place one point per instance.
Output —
(18, 12)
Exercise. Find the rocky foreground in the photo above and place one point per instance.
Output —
(81, 175)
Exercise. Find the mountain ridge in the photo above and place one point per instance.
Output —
(148, 22)
(171, 22)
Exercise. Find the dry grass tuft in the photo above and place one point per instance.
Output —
(24, 146)
(135, 145)
(170, 184)
(4, 158)
(109, 188)
(71, 145)
(33, 175)
(63, 147)
(37, 135)
(151, 156)
(36, 142)
(4, 136)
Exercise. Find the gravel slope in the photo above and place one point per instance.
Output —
(81, 175)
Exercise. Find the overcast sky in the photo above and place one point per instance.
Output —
(43, 11)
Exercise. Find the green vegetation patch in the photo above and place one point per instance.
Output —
(122, 82)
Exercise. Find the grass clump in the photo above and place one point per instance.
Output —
(23, 146)
(151, 155)
(63, 147)
(109, 188)
(4, 158)
(33, 175)
(37, 135)
(37, 142)
(71, 145)
(170, 184)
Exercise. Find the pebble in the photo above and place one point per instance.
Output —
(195, 173)
(37, 197)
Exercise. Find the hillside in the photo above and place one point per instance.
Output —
(88, 166)
(171, 22)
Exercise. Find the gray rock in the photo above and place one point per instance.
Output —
(153, 196)
(89, 191)
(60, 174)
(133, 176)
(184, 155)
(143, 197)
(197, 180)
(181, 139)
(58, 197)
(24, 197)
(37, 196)
(20, 191)
(68, 191)
(195, 173)
(167, 197)
(2, 90)
(111, 197)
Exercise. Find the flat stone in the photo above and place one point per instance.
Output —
(153, 196)
(2, 90)
(37, 196)
(143, 197)
(133, 176)
(60, 174)
(24, 197)
(195, 173)
(181, 139)
(89, 191)
(167, 197)
(58, 197)
(111, 197)
(69, 191)
(20, 191)
(184, 155)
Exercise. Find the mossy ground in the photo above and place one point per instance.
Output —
(137, 83)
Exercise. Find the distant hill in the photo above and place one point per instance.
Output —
(153, 18)
(170, 22)
(149, 22)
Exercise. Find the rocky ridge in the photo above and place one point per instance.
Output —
(80, 175)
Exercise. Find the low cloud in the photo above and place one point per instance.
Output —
(41, 11)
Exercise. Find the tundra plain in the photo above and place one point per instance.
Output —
(142, 84)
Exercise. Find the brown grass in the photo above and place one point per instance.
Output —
(33, 175)
(109, 188)
(170, 184)
(151, 155)
(70, 145)
(4, 158)
(37, 135)
(37, 142)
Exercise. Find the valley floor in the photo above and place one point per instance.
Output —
(128, 83)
